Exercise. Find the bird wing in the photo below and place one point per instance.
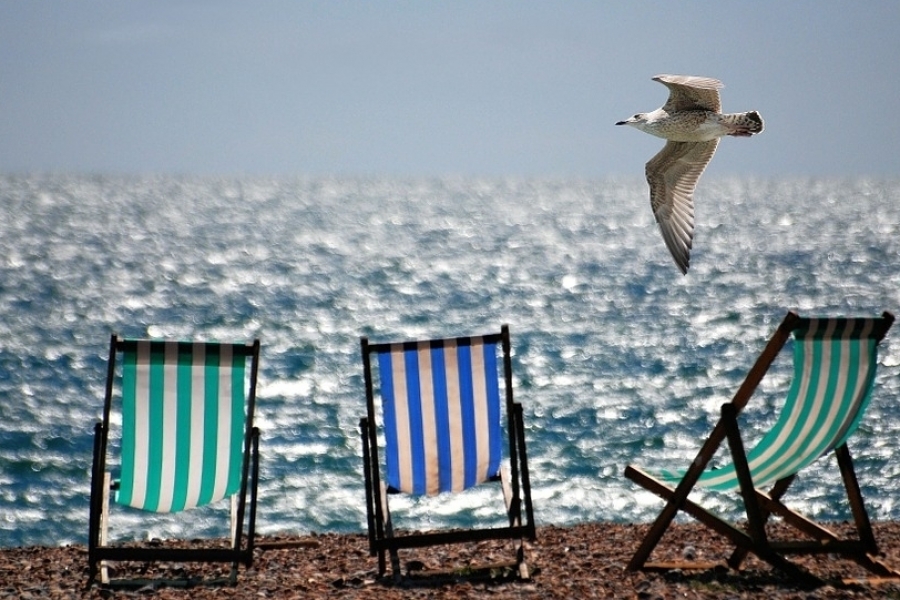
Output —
(691, 93)
(673, 174)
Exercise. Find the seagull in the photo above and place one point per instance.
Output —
(692, 122)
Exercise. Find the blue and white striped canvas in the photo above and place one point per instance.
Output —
(441, 402)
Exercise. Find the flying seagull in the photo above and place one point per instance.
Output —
(692, 122)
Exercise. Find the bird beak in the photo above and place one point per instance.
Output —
(622, 123)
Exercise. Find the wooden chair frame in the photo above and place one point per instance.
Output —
(760, 505)
(383, 537)
(242, 540)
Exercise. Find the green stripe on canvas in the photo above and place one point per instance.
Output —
(129, 385)
(155, 440)
(210, 424)
(183, 434)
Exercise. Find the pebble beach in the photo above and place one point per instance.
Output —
(581, 561)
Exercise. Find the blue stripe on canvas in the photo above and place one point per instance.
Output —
(466, 393)
(442, 419)
(414, 406)
(492, 383)
(865, 388)
(392, 465)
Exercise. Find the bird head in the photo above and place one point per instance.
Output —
(635, 121)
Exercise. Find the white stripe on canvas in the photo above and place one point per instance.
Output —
(482, 428)
(429, 423)
(840, 392)
(454, 408)
(169, 426)
(223, 442)
(198, 415)
(401, 410)
(142, 423)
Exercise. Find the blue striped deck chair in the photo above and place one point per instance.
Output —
(834, 364)
(443, 404)
(187, 440)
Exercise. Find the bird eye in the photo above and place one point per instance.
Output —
(637, 116)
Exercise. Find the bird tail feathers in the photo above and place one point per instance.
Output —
(743, 124)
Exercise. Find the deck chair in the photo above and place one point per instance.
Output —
(442, 404)
(834, 371)
(187, 440)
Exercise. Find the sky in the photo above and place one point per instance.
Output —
(435, 88)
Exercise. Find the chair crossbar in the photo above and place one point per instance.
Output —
(145, 554)
(439, 538)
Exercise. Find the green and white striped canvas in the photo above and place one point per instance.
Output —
(834, 370)
(183, 424)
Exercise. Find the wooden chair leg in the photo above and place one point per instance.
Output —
(676, 499)
(388, 535)
(525, 487)
(232, 576)
(737, 536)
(778, 490)
(104, 526)
(854, 495)
(716, 437)
(690, 507)
(755, 520)
(513, 509)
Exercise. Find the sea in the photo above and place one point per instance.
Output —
(618, 359)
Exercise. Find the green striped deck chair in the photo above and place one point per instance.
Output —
(187, 440)
(834, 364)
(442, 405)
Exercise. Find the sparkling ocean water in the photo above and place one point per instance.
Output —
(617, 357)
